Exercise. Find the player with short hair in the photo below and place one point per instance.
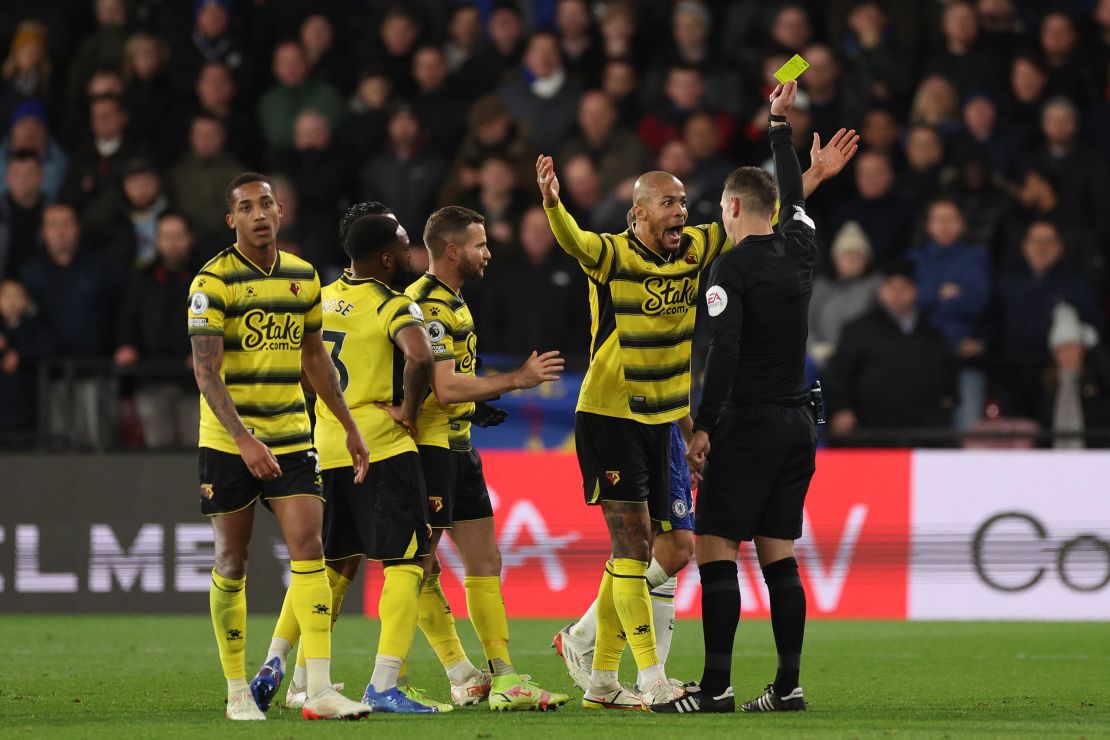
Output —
(254, 322)
(458, 499)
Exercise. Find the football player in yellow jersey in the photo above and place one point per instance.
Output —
(457, 494)
(643, 290)
(254, 323)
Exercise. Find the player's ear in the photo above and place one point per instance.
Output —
(230, 221)
(281, 210)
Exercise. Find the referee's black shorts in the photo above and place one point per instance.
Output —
(758, 472)
(624, 460)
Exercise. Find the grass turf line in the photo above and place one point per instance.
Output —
(158, 676)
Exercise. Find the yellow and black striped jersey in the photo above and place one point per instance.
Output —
(361, 320)
(451, 329)
(262, 317)
(643, 308)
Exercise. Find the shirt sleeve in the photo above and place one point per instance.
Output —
(792, 217)
(398, 313)
(596, 253)
(208, 299)
(440, 322)
(725, 308)
(314, 316)
(716, 242)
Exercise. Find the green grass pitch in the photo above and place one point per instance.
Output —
(158, 676)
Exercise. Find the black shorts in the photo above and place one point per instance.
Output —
(624, 460)
(758, 473)
(456, 486)
(226, 484)
(471, 495)
(383, 518)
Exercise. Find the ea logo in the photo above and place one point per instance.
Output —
(1013, 551)
(716, 299)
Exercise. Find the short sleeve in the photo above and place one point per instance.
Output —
(440, 322)
(398, 313)
(208, 298)
(314, 315)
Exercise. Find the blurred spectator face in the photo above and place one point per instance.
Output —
(618, 26)
(1059, 124)
(465, 28)
(1042, 246)
(24, 180)
(173, 240)
(142, 189)
(959, 24)
(823, 72)
(867, 21)
(404, 129)
(311, 132)
(60, 233)
(701, 136)
(1036, 192)
(790, 28)
(996, 14)
(398, 33)
(215, 88)
(1102, 14)
(536, 238)
(505, 30)
(596, 116)
(212, 20)
(289, 66)
(874, 175)
(496, 177)
(317, 35)
(429, 69)
(496, 130)
(618, 81)
(879, 129)
(107, 119)
(923, 148)
(691, 26)
(14, 301)
(206, 138)
(898, 295)
(935, 101)
(110, 13)
(144, 56)
(28, 133)
(1057, 35)
(572, 18)
(850, 263)
(685, 88)
(675, 158)
(1027, 80)
(944, 224)
(771, 63)
(374, 91)
(104, 82)
(29, 53)
(979, 117)
(582, 181)
(542, 56)
(285, 193)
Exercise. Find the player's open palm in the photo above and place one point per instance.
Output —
(546, 179)
(830, 159)
(540, 369)
(259, 458)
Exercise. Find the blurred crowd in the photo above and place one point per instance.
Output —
(964, 251)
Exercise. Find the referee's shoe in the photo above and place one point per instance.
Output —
(693, 699)
(769, 701)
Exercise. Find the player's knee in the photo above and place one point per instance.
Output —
(306, 545)
(231, 563)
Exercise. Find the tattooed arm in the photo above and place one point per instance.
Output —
(317, 365)
(208, 359)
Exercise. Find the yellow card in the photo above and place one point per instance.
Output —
(792, 70)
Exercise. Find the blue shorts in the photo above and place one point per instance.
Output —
(678, 482)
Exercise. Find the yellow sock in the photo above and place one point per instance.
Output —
(310, 597)
(609, 640)
(339, 585)
(398, 609)
(633, 604)
(227, 600)
(438, 624)
(287, 626)
(487, 614)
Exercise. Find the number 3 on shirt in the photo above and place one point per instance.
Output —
(337, 338)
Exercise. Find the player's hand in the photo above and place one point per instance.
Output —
(827, 161)
(843, 423)
(548, 182)
(782, 98)
(697, 451)
(10, 363)
(398, 415)
(360, 454)
(126, 356)
(487, 416)
(259, 458)
(539, 369)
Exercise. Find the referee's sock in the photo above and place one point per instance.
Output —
(398, 608)
(788, 620)
(227, 601)
(310, 595)
(720, 613)
(487, 613)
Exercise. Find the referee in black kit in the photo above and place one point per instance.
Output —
(755, 412)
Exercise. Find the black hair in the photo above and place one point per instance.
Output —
(357, 211)
(174, 213)
(447, 223)
(369, 235)
(240, 180)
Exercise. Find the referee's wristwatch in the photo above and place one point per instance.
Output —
(775, 118)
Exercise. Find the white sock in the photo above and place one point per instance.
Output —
(235, 685)
(461, 672)
(603, 679)
(649, 676)
(655, 575)
(319, 675)
(300, 676)
(662, 614)
(279, 648)
(585, 629)
(386, 670)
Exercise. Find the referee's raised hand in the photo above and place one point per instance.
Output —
(548, 182)
(782, 98)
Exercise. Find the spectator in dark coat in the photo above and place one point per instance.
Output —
(924, 152)
(28, 132)
(543, 95)
(406, 175)
(683, 95)
(845, 297)
(122, 221)
(883, 216)
(98, 166)
(197, 182)
(616, 152)
(20, 212)
(24, 340)
(492, 131)
(964, 61)
(498, 62)
(211, 41)
(890, 371)
(434, 97)
(280, 105)
(873, 63)
(149, 95)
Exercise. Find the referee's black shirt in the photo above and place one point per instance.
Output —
(758, 304)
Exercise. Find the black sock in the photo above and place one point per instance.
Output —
(720, 613)
(788, 620)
